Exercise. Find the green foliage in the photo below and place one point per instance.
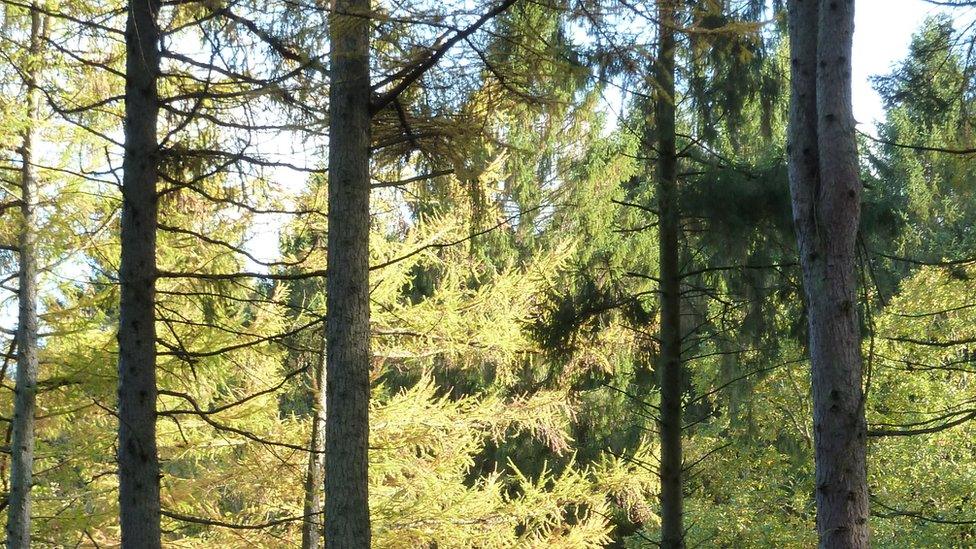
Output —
(513, 294)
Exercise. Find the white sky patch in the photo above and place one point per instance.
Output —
(883, 31)
(264, 235)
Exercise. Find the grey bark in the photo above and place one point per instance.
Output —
(826, 196)
(25, 398)
(137, 457)
(347, 281)
(669, 368)
(313, 525)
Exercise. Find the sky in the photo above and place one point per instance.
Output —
(882, 33)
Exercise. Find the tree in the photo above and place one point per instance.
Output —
(348, 359)
(347, 279)
(313, 525)
(826, 195)
(526, 241)
(22, 440)
(669, 361)
(139, 472)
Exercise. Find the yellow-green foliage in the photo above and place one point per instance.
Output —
(923, 380)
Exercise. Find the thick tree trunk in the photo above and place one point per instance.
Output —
(347, 325)
(22, 439)
(669, 368)
(138, 463)
(313, 524)
(826, 191)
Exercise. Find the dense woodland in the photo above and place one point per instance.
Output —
(507, 273)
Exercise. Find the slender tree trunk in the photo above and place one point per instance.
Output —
(138, 462)
(347, 325)
(313, 525)
(669, 369)
(25, 399)
(826, 191)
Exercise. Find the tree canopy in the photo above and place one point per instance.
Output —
(495, 274)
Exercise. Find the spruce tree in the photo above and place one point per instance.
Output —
(826, 189)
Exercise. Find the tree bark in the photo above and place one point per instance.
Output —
(826, 195)
(669, 368)
(312, 525)
(25, 399)
(138, 461)
(347, 281)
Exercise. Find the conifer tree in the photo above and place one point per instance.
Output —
(139, 472)
(22, 439)
(347, 331)
(826, 190)
(538, 188)
(670, 363)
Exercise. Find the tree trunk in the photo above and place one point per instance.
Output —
(138, 463)
(669, 368)
(313, 525)
(826, 191)
(347, 325)
(22, 440)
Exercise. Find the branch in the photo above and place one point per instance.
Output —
(277, 45)
(898, 513)
(400, 183)
(960, 152)
(923, 431)
(233, 525)
(382, 101)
